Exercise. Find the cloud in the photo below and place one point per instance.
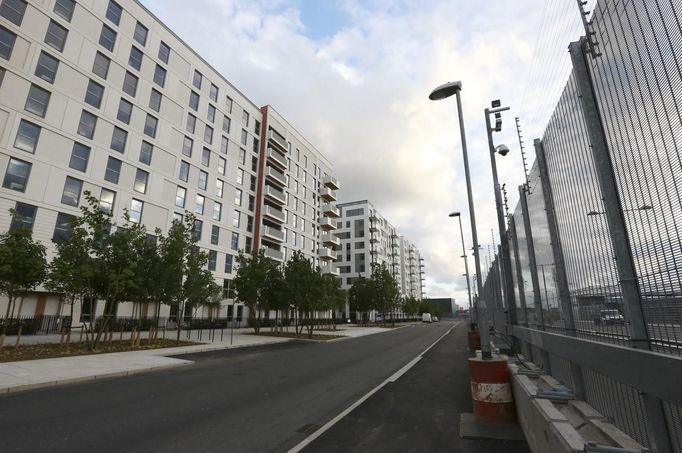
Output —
(360, 96)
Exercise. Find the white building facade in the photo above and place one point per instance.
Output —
(101, 96)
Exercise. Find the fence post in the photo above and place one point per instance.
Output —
(535, 281)
(519, 274)
(559, 265)
(659, 434)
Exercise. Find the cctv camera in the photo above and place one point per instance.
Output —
(502, 150)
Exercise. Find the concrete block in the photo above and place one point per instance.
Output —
(585, 410)
(566, 438)
(548, 412)
(615, 435)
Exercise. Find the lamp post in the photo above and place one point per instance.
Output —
(503, 150)
(466, 262)
(441, 92)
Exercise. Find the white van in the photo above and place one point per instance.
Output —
(426, 317)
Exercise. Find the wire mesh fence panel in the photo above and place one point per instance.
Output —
(619, 403)
(561, 371)
(673, 414)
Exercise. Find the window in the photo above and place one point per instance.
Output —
(254, 164)
(211, 113)
(244, 137)
(25, 216)
(191, 123)
(101, 65)
(106, 200)
(212, 259)
(118, 139)
(86, 125)
(245, 119)
(27, 136)
(155, 100)
(226, 124)
(140, 34)
(64, 9)
(72, 191)
(193, 100)
(234, 243)
(47, 67)
(125, 109)
(256, 145)
(159, 76)
(177, 217)
(238, 197)
(208, 134)
(150, 124)
(164, 52)
(206, 157)
(249, 223)
(141, 178)
(13, 10)
(252, 185)
(146, 151)
(223, 144)
(187, 146)
(203, 180)
(7, 39)
(240, 176)
(196, 80)
(198, 227)
(114, 12)
(135, 212)
(135, 58)
(219, 185)
(94, 93)
(199, 204)
(37, 100)
(217, 210)
(242, 156)
(80, 154)
(16, 176)
(62, 229)
(107, 38)
(213, 93)
(215, 234)
(113, 170)
(252, 203)
(236, 218)
(228, 263)
(221, 165)
(256, 128)
(184, 171)
(130, 84)
(228, 104)
(180, 195)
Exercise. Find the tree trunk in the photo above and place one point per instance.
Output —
(180, 315)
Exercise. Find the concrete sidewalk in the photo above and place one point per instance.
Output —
(24, 375)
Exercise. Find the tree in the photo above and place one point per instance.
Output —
(250, 282)
(199, 287)
(411, 306)
(334, 298)
(146, 289)
(304, 288)
(173, 249)
(361, 296)
(275, 293)
(386, 293)
(22, 267)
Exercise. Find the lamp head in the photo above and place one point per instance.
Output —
(454, 214)
(502, 150)
(445, 90)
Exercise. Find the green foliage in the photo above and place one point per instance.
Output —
(361, 296)
(253, 284)
(386, 293)
(304, 288)
(411, 306)
(22, 265)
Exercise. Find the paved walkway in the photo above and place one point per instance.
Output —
(24, 375)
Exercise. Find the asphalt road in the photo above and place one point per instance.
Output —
(255, 399)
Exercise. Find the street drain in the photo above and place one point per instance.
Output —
(308, 429)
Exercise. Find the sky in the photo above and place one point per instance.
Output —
(353, 76)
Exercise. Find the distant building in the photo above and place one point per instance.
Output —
(448, 306)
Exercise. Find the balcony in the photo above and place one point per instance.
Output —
(326, 254)
(276, 176)
(330, 240)
(273, 214)
(373, 218)
(278, 139)
(330, 269)
(373, 228)
(276, 158)
(331, 210)
(327, 194)
(395, 253)
(275, 195)
(331, 182)
(373, 252)
(273, 234)
(374, 239)
(326, 223)
(274, 254)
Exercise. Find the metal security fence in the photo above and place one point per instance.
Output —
(596, 237)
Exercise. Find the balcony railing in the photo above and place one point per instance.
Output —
(330, 269)
(276, 176)
(278, 139)
(273, 233)
(325, 254)
(275, 195)
(274, 214)
(330, 210)
(274, 253)
(327, 194)
(330, 240)
(326, 223)
(331, 182)
(276, 158)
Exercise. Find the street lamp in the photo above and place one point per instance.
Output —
(441, 92)
(466, 263)
(502, 150)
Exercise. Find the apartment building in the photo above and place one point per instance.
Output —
(367, 238)
(102, 96)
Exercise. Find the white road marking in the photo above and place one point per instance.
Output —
(394, 377)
